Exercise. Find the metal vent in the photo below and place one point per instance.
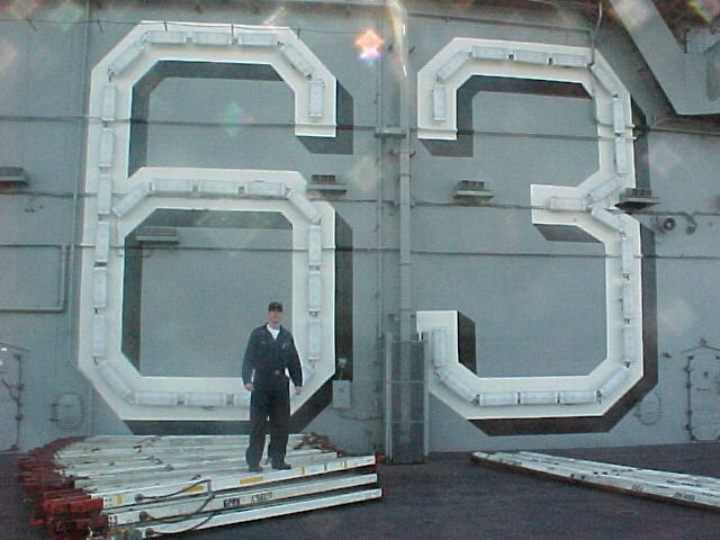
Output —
(12, 176)
(473, 190)
(326, 183)
(157, 235)
(636, 199)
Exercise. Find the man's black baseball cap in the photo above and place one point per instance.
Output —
(275, 306)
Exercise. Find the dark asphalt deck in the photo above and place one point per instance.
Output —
(451, 497)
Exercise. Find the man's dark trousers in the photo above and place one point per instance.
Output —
(269, 401)
(267, 357)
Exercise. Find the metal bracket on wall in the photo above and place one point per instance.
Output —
(62, 283)
(390, 132)
(15, 390)
(396, 153)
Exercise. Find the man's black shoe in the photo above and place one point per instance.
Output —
(255, 468)
(282, 466)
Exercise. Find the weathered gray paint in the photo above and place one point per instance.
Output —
(208, 326)
(536, 304)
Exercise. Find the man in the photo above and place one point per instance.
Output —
(270, 351)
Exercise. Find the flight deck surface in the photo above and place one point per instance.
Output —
(451, 497)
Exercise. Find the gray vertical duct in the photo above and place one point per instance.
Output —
(405, 407)
(690, 81)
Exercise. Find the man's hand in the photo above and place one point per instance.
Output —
(249, 387)
(298, 390)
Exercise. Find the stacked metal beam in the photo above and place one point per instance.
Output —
(121, 487)
(686, 489)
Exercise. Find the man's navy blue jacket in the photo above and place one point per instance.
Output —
(268, 358)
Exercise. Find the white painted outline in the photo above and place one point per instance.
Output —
(121, 203)
(587, 206)
(113, 78)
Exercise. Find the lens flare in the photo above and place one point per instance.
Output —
(8, 54)
(66, 14)
(667, 159)
(234, 117)
(272, 20)
(369, 44)
(637, 14)
(707, 10)
(398, 16)
(361, 173)
(22, 9)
